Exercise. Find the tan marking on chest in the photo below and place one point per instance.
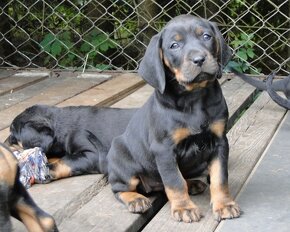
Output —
(200, 85)
(180, 134)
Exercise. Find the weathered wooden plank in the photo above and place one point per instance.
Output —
(13, 98)
(136, 99)
(265, 197)
(62, 89)
(64, 197)
(248, 139)
(14, 83)
(4, 134)
(107, 93)
(109, 215)
(235, 90)
(4, 73)
(139, 97)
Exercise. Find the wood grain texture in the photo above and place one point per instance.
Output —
(14, 83)
(105, 213)
(64, 197)
(107, 93)
(136, 99)
(265, 196)
(62, 89)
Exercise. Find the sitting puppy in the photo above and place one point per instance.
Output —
(75, 139)
(15, 201)
(181, 129)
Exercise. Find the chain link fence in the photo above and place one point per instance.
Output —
(113, 34)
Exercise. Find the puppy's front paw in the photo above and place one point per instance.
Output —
(189, 213)
(226, 210)
(139, 205)
(135, 202)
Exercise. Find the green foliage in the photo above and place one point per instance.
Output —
(244, 47)
(62, 47)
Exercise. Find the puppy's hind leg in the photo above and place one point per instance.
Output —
(135, 202)
(77, 164)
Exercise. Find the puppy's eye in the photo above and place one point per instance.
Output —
(174, 46)
(206, 37)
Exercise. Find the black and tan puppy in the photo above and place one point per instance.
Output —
(15, 201)
(181, 129)
(75, 139)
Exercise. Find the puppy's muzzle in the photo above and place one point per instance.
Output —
(198, 59)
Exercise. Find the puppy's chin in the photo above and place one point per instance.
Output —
(196, 81)
(190, 73)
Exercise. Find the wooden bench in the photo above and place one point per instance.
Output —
(86, 203)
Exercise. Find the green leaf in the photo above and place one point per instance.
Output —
(244, 36)
(250, 53)
(235, 65)
(65, 36)
(103, 66)
(236, 43)
(86, 47)
(46, 42)
(112, 44)
(244, 67)
(56, 48)
(104, 47)
(242, 55)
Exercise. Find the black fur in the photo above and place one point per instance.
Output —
(80, 136)
(182, 63)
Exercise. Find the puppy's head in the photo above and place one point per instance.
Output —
(31, 129)
(190, 49)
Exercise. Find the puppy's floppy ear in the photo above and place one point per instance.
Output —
(224, 52)
(151, 68)
(37, 132)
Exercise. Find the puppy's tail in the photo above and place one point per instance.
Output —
(276, 98)
(278, 85)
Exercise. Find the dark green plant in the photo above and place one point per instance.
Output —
(244, 47)
(63, 46)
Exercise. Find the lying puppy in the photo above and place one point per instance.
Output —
(75, 139)
(15, 201)
(271, 87)
(181, 129)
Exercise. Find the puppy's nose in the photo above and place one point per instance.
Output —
(198, 60)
